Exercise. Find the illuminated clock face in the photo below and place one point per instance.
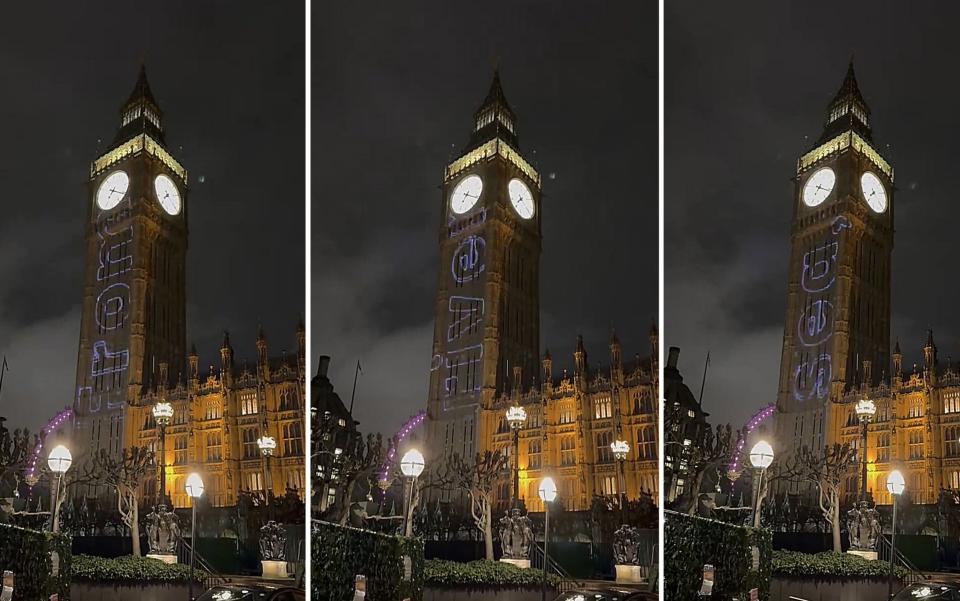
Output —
(819, 186)
(112, 190)
(520, 198)
(167, 194)
(466, 194)
(873, 192)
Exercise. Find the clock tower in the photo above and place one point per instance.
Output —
(133, 321)
(487, 312)
(837, 329)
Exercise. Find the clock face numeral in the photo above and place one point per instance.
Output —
(521, 198)
(466, 194)
(819, 186)
(112, 190)
(167, 194)
(874, 192)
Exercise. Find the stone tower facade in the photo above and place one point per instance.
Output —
(837, 328)
(487, 312)
(133, 316)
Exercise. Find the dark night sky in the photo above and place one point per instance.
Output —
(229, 77)
(746, 89)
(395, 88)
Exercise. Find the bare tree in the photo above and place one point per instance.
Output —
(479, 478)
(707, 455)
(353, 465)
(14, 449)
(826, 468)
(125, 475)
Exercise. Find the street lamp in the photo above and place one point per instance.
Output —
(865, 411)
(59, 461)
(516, 416)
(895, 486)
(620, 449)
(761, 456)
(162, 414)
(267, 446)
(194, 489)
(411, 465)
(547, 492)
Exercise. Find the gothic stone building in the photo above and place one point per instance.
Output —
(217, 419)
(133, 330)
(916, 428)
(571, 420)
(487, 334)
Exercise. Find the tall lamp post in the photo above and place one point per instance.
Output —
(162, 414)
(761, 456)
(411, 465)
(267, 446)
(516, 416)
(620, 450)
(895, 486)
(548, 493)
(59, 461)
(865, 411)
(194, 489)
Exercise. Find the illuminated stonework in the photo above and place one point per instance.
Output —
(837, 145)
(133, 147)
(493, 148)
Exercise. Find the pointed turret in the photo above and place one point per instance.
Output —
(848, 110)
(929, 352)
(193, 362)
(141, 113)
(580, 357)
(494, 118)
(547, 370)
(897, 362)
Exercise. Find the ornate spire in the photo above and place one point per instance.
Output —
(141, 113)
(848, 110)
(494, 118)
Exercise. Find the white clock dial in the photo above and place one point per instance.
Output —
(167, 194)
(873, 192)
(521, 198)
(112, 190)
(819, 186)
(466, 194)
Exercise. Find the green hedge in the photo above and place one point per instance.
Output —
(130, 569)
(28, 554)
(691, 542)
(830, 565)
(481, 573)
(340, 553)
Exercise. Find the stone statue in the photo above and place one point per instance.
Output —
(863, 526)
(163, 531)
(273, 541)
(626, 545)
(516, 535)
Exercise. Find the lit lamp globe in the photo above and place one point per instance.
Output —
(163, 413)
(761, 455)
(194, 486)
(59, 459)
(515, 417)
(267, 445)
(547, 490)
(412, 463)
(865, 409)
(895, 483)
(620, 449)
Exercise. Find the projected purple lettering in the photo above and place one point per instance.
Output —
(813, 363)
(816, 323)
(109, 358)
(468, 260)
(466, 313)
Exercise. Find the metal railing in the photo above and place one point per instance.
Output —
(567, 582)
(883, 553)
(210, 576)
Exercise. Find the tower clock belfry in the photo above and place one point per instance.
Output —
(837, 328)
(133, 321)
(487, 311)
